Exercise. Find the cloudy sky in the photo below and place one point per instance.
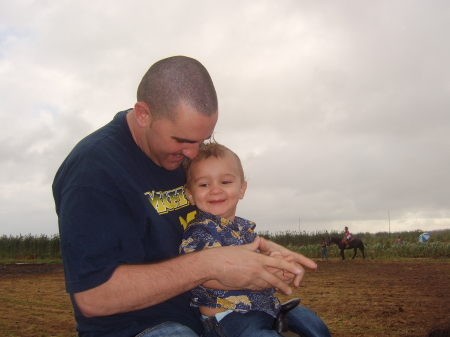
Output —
(340, 110)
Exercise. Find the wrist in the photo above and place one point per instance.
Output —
(203, 262)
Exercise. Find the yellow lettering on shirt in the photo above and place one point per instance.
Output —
(166, 201)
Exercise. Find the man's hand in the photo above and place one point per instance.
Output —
(268, 247)
(242, 267)
(286, 276)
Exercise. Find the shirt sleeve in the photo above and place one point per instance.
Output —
(98, 234)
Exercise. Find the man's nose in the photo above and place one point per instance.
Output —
(190, 150)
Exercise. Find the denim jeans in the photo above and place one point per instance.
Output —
(172, 329)
(306, 323)
(301, 320)
(324, 253)
(252, 323)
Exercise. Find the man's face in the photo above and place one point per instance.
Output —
(169, 141)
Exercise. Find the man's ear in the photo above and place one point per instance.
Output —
(143, 115)
(189, 195)
(242, 190)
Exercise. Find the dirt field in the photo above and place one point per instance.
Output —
(355, 298)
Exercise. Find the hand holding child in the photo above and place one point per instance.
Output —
(284, 275)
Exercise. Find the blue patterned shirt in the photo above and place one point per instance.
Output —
(210, 231)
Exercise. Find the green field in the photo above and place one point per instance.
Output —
(378, 245)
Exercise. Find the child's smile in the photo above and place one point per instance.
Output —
(216, 186)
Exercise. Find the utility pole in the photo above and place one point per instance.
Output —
(298, 225)
(389, 217)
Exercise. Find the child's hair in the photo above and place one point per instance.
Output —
(211, 149)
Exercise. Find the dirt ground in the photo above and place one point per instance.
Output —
(354, 297)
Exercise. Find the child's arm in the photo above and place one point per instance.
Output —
(194, 240)
(191, 242)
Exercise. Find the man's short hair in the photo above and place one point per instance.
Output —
(175, 80)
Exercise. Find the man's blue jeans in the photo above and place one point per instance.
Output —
(171, 329)
(301, 320)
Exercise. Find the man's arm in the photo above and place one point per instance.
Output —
(134, 287)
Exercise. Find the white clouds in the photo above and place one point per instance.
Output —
(339, 110)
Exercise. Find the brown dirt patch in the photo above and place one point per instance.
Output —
(355, 298)
(378, 298)
(34, 302)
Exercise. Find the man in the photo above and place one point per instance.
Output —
(122, 210)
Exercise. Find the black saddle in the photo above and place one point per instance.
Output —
(280, 325)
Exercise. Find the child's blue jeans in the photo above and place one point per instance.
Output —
(301, 320)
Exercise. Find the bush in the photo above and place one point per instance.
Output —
(41, 247)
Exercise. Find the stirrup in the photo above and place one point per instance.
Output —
(280, 324)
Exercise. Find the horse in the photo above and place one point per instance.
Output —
(354, 243)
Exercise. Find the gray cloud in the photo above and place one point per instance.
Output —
(339, 110)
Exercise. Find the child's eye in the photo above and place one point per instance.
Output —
(226, 182)
(203, 185)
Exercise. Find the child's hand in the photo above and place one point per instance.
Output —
(282, 274)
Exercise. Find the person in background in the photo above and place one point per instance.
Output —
(399, 240)
(324, 249)
(347, 236)
(122, 209)
(215, 184)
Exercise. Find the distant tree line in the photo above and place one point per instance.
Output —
(295, 238)
(382, 244)
(378, 245)
(30, 247)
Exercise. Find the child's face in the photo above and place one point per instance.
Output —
(216, 186)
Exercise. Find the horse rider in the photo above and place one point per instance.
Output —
(347, 236)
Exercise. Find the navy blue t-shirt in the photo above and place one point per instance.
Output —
(115, 207)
